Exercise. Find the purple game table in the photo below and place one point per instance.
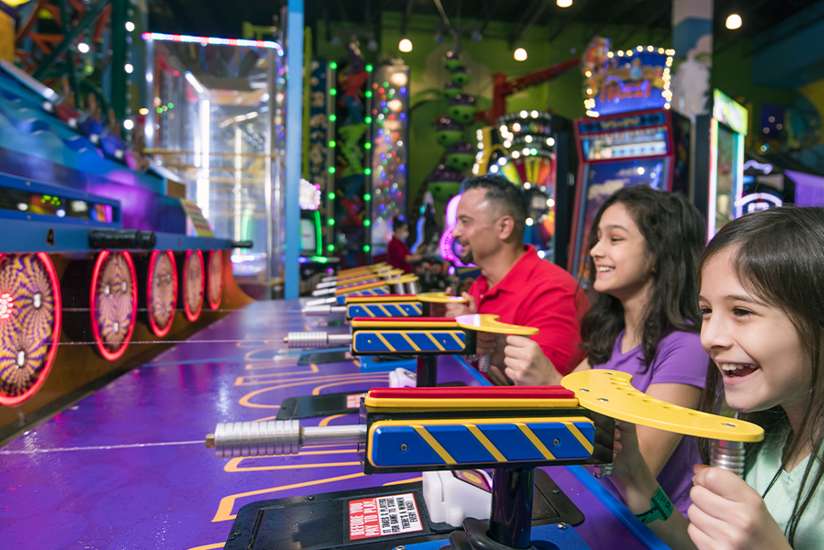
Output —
(126, 468)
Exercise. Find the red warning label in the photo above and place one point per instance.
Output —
(353, 400)
(383, 516)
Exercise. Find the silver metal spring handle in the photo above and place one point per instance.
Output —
(323, 310)
(277, 437)
(316, 339)
(321, 301)
(324, 291)
(729, 455)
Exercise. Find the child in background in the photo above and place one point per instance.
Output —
(643, 263)
(397, 252)
(762, 304)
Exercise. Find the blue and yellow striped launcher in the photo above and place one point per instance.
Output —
(472, 427)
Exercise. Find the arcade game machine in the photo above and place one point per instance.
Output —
(218, 124)
(92, 251)
(719, 162)
(767, 185)
(390, 128)
(313, 262)
(630, 135)
(533, 151)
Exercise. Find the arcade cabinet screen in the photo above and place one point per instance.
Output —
(724, 177)
(602, 180)
(308, 236)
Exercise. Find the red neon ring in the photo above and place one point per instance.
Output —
(215, 304)
(192, 316)
(55, 337)
(157, 330)
(98, 338)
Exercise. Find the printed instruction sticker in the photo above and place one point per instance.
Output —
(353, 400)
(383, 516)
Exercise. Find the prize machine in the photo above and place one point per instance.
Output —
(531, 149)
(767, 185)
(719, 162)
(630, 135)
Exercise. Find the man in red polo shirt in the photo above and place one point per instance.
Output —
(517, 285)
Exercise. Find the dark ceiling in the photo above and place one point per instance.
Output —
(221, 18)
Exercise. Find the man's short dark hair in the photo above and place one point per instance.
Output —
(504, 193)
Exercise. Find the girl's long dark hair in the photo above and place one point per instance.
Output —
(674, 234)
(779, 257)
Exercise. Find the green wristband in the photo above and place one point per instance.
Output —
(660, 508)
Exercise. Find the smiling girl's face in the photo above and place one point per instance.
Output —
(754, 344)
(621, 257)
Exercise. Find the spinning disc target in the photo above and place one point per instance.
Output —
(161, 292)
(194, 284)
(113, 303)
(30, 323)
(215, 279)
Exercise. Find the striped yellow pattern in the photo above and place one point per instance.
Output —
(537, 442)
(576, 433)
(435, 341)
(487, 444)
(437, 447)
(385, 342)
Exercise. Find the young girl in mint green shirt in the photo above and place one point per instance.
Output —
(762, 304)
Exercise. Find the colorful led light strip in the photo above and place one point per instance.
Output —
(213, 41)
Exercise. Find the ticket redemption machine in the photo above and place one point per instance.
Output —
(533, 150)
(719, 162)
(629, 137)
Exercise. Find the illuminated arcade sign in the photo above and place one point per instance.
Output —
(728, 111)
(212, 41)
(625, 80)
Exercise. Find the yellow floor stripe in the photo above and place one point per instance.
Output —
(233, 468)
(437, 447)
(527, 431)
(402, 481)
(226, 504)
(488, 445)
(328, 419)
(573, 429)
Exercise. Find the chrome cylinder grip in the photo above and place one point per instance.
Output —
(316, 339)
(277, 437)
(321, 301)
(323, 291)
(729, 455)
(323, 310)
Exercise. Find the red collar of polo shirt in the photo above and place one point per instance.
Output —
(516, 277)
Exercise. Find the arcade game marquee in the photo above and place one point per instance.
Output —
(630, 136)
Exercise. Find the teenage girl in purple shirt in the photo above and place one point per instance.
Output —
(643, 264)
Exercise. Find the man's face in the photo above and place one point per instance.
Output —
(477, 228)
